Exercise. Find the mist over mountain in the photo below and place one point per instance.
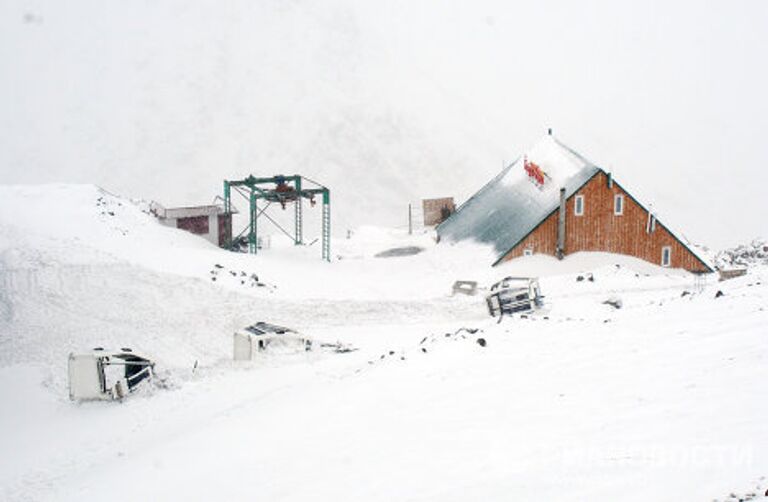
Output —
(390, 102)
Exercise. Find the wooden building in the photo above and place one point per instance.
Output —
(553, 201)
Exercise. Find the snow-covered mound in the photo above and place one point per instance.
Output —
(75, 224)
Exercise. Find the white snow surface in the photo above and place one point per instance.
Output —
(663, 399)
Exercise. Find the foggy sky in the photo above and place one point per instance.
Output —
(397, 100)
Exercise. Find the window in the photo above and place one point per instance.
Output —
(528, 252)
(578, 205)
(650, 226)
(618, 205)
(666, 256)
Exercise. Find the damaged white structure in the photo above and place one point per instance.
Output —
(264, 337)
(106, 375)
(513, 295)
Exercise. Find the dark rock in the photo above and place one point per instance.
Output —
(423, 340)
(391, 352)
(614, 302)
(685, 293)
(423, 349)
(579, 278)
(218, 266)
(481, 342)
(719, 294)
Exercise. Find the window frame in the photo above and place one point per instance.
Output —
(576, 200)
(666, 251)
(618, 211)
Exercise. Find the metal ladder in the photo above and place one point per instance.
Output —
(327, 232)
(298, 222)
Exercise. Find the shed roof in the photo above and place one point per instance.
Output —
(510, 206)
(185, 212)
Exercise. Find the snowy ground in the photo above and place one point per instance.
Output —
(663, 399)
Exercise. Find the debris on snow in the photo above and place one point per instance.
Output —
(468, 288)
(239, 278)
(746, 255)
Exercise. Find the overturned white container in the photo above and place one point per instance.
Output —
(263, 337)
(106, 375)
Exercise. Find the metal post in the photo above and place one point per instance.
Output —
(560, 251)
(326, 225)
(254, 208)
(298, 223)
(227, 215)
(410, 220)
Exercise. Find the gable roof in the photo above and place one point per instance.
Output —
(511, 205)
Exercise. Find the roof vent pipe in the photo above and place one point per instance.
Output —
(549, 131)
(560, 251)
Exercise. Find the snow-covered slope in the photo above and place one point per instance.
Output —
(660, 400)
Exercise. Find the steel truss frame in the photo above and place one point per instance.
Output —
(282, 190)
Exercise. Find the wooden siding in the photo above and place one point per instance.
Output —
(599, 229)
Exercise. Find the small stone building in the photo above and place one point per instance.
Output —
(553, 201)
(437, 211)
(210, 222)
